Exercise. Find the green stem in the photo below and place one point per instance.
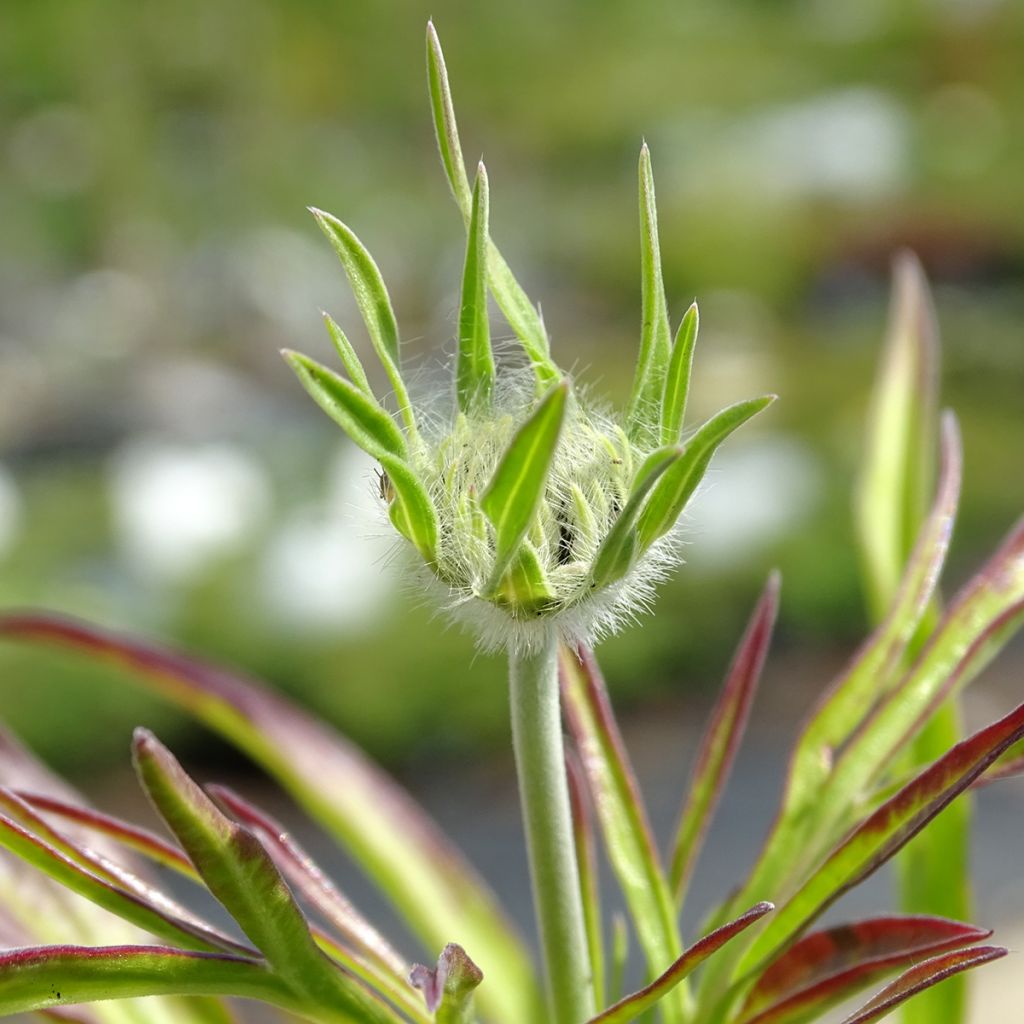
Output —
(544, 795)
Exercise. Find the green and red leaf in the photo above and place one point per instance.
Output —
(827, 967)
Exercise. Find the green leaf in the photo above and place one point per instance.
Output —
(79, 871)
(677, 380)
(374, 304)
(474, 371)
(676, 488)
(524, 587)
(411, 511)
(238, 870)
(882, 834)
(357, 414)
(892, 494)
(511, 498)
(448, 989)
(653, 360)
(513, 301)
(620, 809)
(630, 1008)
(618, 550)
(42, 977)
(921, 977)
(722, 738)
(890, 505)
(395, 842)
(347, 355)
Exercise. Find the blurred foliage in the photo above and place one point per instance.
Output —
(156, 254)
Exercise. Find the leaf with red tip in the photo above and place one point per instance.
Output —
(240, 873)
(921, 977)
(448, 988)
(620, 808)
(827, 967)
(152, 912)
(402, 849)
(304, 874)
(722, 737)
(630, 1008)
(882, 834)
(37, 978)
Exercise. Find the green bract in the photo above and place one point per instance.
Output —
(533, 506)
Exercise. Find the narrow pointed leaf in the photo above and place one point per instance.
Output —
(448, 988)
(374, 303)
(306, 876)
(361, 417)
(347, 355)
(722, 737)
(524, 585)
(624, 823)
(411, 511)
(618, 550)
(677, 379)
(796, 836)
(630, 1008)
(511, 498)
(652, 362)
(127, 905)
(828, 967)
(586, 859)
(402, 849)
(675, 489)
(922, 977)
(130, 836)
(41, 977)
(474, 369)
(882, 834)
(519, 311)
(619, 957)
(238, 870)
(892, 494)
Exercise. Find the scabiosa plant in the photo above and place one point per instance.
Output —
(544, 518)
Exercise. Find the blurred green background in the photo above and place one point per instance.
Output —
(160, 469)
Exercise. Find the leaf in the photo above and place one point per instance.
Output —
(130, 836)
(523, 318)
(827, 967)
(677, 486)
(883, 833)
(631, 1007)
(305, 875)
(652, 362)
(41, 977)
(362, 418)
(347, 355)
(922, 977)
(524, 586)
(722, 737)
(511, 498)
(474, 370)
(624, 824)
(891, 496)
(586, 860)
(411, 510)
(677, 380)
(145, 908)
(238, 870)
(797, 833)
(617, 551)
(402, 849)
(448, 988)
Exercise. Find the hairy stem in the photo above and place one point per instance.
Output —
(544, 795)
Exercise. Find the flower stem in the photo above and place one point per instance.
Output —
(544, 795)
